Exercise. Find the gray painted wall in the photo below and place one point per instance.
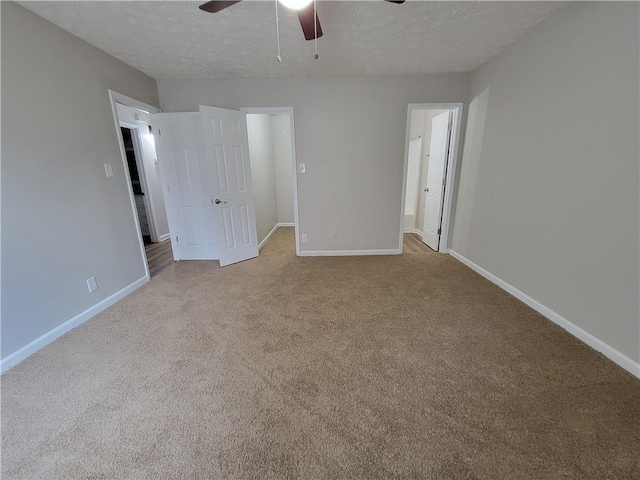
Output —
(350, 133)
(263, 173)
(63, 221)
(283, 158)
(549, 195)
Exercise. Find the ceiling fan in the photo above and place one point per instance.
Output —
(304, 8)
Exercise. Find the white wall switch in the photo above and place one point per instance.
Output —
(334, 233)
(108, 169)
(302, 168)
(304, 238)
(92, 285)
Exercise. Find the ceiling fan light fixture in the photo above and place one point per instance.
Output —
(296, 4)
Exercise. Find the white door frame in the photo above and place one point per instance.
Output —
(451, 168)
(289, 110)
(115, 97)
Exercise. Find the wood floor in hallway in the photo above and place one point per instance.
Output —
(412, 243)
(159, 256)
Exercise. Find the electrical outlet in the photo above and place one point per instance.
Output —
(92, 285)
(302, 168)
(108, 170)
(304, 238)
(334, 233)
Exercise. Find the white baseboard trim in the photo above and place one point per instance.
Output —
(415, 230)
(348, 253)
(286, 224)
(31, 348)
(595, 343)
(273, 230)
(164, 237)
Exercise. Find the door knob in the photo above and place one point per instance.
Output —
(218, 201)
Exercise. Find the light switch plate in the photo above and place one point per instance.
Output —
(302, 168)
(92, 285)
(108, 170)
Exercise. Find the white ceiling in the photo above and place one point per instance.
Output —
(177, 40)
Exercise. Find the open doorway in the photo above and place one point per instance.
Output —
(145, 178)
(272, 154)
(132, 151)
(432, 144)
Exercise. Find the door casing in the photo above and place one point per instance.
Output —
(115, 97)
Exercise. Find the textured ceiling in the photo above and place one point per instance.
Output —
(177, 40)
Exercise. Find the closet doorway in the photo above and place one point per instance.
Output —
(273, 171)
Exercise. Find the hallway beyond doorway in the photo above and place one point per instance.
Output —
(159, 256)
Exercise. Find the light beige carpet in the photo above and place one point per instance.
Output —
(407, 366)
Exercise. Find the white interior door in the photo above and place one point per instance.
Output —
(190, 211)
(227, 145)
(438, 153)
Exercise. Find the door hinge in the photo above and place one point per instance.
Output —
(177, 239)
(439, 231)
(168, 188)
(159, 132)
(444, 182)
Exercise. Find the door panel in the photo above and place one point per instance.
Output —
(186, 169)
(226, 142)
(181, 160)
(438, 153)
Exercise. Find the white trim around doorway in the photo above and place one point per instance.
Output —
(115, 97)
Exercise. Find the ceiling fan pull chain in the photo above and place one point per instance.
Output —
(315, 31)
(278, 32)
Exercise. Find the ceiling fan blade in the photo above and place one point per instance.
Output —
(399, 2)
(217, 5)
(306, 17)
